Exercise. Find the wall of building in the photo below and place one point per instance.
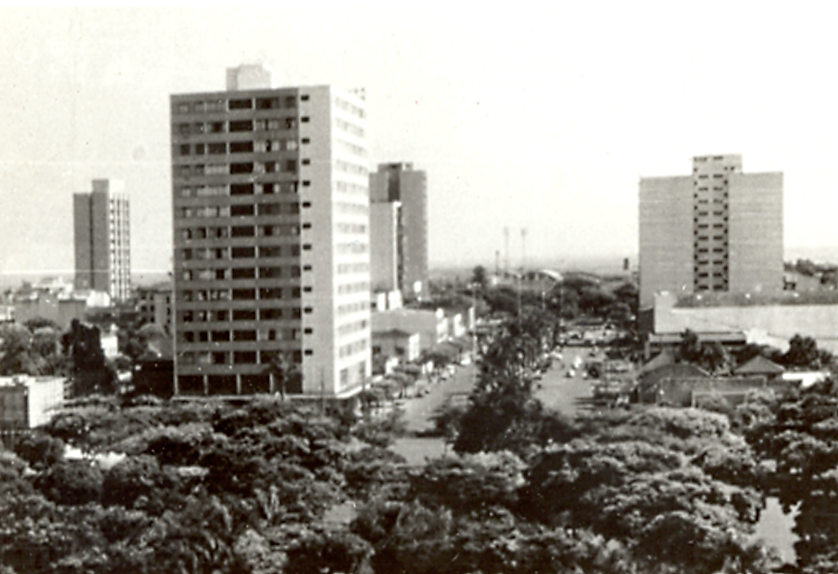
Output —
(28, 402)
(756, 232)
(769, 324)
(102, 239)
(384, 237)
(400, 182)
(282, 174)
(666, 236)
(432, 326)
(404, 346)
(49, 306)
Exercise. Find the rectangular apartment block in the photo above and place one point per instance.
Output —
(271, 232)
(102, 240)
(717, 229)
(399, 182)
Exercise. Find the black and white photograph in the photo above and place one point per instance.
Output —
(419, 288)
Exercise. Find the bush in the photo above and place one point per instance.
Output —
(73, 483)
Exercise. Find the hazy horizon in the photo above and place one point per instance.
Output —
(547, 128)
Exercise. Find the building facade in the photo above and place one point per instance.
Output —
(384, 245)
(399, 182)
(103, 239)
(718, 229)
(271, 233)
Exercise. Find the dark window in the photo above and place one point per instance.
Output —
(270, 314)
(244, 315)
(217, 148)
(253, 384)
(244, 335)
(241, 168)
(272, 251)
(244, 252)
(267, 103)
(241, 126)
(270, 272)
(241, 189)
(270, 293)
(218, 336)
(245, 231)
(241, 104)
(240, 210)
(243, 294)
(244, 357)
(244, 273)
(241, 147)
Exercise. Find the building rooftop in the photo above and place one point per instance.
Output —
(724, 299)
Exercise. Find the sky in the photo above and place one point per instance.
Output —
(525, 116)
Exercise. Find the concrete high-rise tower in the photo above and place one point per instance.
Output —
(399, 182)
(271, 232)
(718, 229)
(103, 240)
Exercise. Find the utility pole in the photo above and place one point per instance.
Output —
(506, 252)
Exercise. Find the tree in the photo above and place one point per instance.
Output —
(284, 372)
(479, 276)
(16, 351)
(803, 353)
(329, 552)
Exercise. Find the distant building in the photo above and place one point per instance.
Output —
(102, 240)
(385, 245)
(154, 305)
(61, 308)
(399, 182)
(764, 319)
(271, 243)
(717, 229)
(431, 325)
(397, 343)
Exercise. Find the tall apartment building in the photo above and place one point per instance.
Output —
(718, 229)
(271, 232)
(384, 245)
(102, 239)
(399, 182)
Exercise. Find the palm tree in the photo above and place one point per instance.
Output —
(282, 370)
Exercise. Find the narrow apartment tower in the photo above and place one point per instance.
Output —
(400, 182)
(716, 230)
(271, 234)
(103, 240)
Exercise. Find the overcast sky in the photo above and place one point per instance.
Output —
(523, 115)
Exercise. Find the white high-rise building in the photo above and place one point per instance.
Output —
(271, 233)
(102, 239)
(718, 229)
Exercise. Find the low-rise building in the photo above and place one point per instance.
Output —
(396, 343)
(431, 325)
(154, 305)
(27, 402)
(761, 318)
